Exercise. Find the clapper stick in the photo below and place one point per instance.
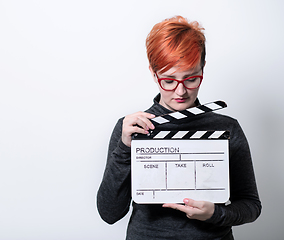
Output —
(177, 117)
(181, 117)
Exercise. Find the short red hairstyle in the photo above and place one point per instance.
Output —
(176, 42)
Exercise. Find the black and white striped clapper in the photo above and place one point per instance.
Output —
(181, 116)
(168, 166)
(210, 134)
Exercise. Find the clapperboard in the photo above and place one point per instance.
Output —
(168, 166)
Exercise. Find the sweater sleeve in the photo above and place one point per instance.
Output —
(114, 194)
(245, 205)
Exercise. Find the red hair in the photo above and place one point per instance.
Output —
(176, 42)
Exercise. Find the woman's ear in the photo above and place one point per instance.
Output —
(204, 65)
(152, 73)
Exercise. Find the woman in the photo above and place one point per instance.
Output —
(176, 53)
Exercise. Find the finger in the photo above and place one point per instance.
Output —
(190, 211)
(128, 131)
(149, 115)
(145, 123)
(192, 203)
(145, 114)
(131, 121)
(141, 123)
(189, 202)
(148, 123)
(176, 206)
(136, 129)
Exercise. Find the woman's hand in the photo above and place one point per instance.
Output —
(200, 210)
(136, 123)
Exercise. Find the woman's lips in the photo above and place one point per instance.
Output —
(180, 100)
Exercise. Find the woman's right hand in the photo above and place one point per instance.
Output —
(136, 123)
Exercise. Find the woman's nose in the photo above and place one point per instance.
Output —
(180, 90)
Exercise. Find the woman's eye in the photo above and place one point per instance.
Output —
(190, 80)
(168, 81)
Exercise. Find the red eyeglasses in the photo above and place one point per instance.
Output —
(170, 84)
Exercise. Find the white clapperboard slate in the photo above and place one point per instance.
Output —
(168, 166)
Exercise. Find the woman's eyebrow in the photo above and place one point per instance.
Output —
(168, 76)
(192, 74)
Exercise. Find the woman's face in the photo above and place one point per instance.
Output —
(181, 98)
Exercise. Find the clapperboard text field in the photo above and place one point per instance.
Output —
(168, 166)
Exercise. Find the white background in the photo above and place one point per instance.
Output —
(70, 69)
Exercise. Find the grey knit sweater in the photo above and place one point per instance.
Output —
(152, 221)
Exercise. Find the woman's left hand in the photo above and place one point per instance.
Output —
(200, 210)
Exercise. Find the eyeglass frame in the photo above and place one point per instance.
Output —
(179, 81)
